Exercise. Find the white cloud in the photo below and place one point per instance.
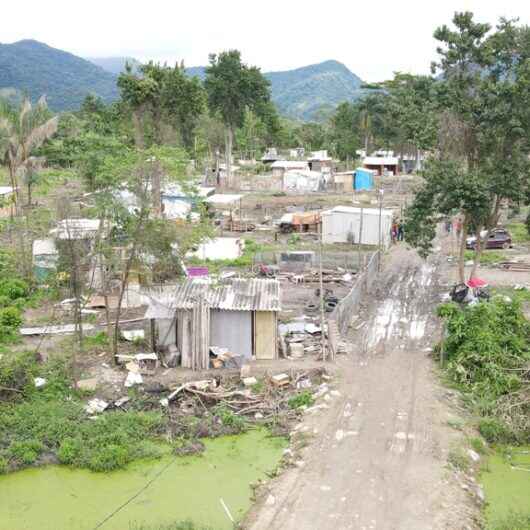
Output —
(372, 38)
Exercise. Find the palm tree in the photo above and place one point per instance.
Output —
(22, 130)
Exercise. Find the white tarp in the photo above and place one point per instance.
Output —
(342, 224)
(219, 248)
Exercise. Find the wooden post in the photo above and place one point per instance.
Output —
(153, 334)
(322, 320)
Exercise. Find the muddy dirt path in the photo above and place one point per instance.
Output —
(378, 456)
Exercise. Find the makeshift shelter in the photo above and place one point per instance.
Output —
(281, 166)
(198, 316)
(303, 180)
(364, 179)
(68, 229)
(344, 181)
(320, 161)
(219, 248)
(383, 165)
(342, 225)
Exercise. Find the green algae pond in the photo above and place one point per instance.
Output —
(506, 482)
(147, 493)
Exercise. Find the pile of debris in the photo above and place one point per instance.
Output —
(300, 337)
(138, 365)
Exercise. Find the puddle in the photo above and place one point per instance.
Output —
(59, 498)
(507, 485)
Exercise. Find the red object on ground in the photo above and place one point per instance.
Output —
(476, 282)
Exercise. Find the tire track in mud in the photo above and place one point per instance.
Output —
(374, 464)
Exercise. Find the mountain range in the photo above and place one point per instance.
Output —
(33, 68)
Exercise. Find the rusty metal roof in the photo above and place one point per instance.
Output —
(237, 295)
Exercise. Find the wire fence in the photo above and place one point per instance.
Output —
(349, 305)
(296, 260)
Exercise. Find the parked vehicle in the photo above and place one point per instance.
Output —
(498, 238)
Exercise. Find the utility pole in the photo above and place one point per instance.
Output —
(322, 335)
(360, 240)
(381, 192)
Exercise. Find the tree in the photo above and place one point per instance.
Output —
(22, 130)
(233, 87)
(127, 205)
(412, 106)
(344, 131)
(159, 98)
(482, 156)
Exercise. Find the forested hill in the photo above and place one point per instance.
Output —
(309, 92)
(33, 68)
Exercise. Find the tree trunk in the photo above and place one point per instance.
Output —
(462, 250)
(124, 283)
(478, 252)
(417, 161)
(228, 155)
(138, 130)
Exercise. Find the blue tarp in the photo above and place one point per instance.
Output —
(364, 179)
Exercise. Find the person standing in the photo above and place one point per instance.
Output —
(400, 231)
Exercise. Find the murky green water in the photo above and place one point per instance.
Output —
(58, 498)
(507, 485)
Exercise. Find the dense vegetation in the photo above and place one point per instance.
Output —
(34, 69)
(487, 354)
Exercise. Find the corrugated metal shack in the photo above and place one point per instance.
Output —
(196, 315)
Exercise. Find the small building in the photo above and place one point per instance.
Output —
(344, 181)
(270, 156)
(320, 161)
(240, 317)
(281, 166)
(382, 165)
(363, 179)
(45, 258)
(342, 224)
(296, 260)
(76, 229)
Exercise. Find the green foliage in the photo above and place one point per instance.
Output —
(477, 444)
(25, 452)
(233, 87)
(488, 257)
(10, 317)
(229, 419)
(52, 420)
(487, 347)
(495, 432)
(303, 399)
(520, 231)
(4, 468)
(14, 288)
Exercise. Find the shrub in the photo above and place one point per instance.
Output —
(70, 451)
(487, 348)
(109, 458)
(303, 399)
(494, 431)
(10, 317)
(14, 288)
(229, 419)
(26, 451)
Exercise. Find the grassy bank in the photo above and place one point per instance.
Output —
(487, 353)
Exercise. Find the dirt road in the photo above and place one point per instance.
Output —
(378, 456)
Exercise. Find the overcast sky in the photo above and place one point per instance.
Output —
(372, 38)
